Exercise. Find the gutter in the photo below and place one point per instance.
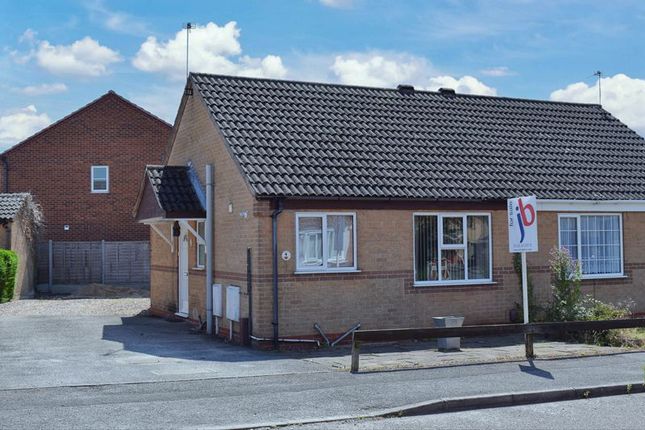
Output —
(274, 222)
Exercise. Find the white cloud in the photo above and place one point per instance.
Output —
(390, 69)
(114, 20)
(497, 72)
(464, 85)
(19, 124)
(622, 95)
(42, 89)
(28, 36)
(379, 69)
(85, 57)
(213, 49)
(338, 4)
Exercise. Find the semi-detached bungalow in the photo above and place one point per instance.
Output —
(336, 204)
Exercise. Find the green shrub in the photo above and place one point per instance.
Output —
(566, 274)
(8, 267)
(595, 310)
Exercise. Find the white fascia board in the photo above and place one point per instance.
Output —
(552, 205)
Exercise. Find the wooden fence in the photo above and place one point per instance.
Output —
(529, 331)
(64, 263)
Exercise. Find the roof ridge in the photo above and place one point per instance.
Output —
(365, 87)
(78, 111)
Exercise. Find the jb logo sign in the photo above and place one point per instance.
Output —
(522, 224)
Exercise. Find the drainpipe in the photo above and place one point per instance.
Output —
(274, 220)
(208, 231)
(5, 167)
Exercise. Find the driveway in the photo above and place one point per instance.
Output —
(48, 343)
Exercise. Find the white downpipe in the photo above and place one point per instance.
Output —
(208, 231)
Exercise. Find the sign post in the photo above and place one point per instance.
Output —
(523, 237)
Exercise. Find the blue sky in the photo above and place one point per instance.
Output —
(57, 56)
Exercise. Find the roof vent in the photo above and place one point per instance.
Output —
(405, 89)
(447, 91)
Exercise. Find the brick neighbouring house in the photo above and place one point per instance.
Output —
(57, 161)
(392, 169)
(56, 164)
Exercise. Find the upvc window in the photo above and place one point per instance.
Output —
(595, 240)
(201, 248)
(452, 249)
(100, 179)
(325, 242)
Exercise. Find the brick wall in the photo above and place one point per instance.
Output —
(55, 167)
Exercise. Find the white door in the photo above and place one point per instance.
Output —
(183, 273)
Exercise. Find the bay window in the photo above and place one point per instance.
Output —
(595, 240)
(325, 242)
(452, 249)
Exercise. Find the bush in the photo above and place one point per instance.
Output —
(8, 267)
(566, 302)
(595, 310)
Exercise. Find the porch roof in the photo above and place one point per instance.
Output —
(169, 193)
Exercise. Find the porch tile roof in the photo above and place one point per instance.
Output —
(312, 140)
(174, 191)
(10, 204)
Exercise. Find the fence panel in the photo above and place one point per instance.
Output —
(127, 262)
(94, 262)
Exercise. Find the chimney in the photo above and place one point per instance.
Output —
(405, 89)
(447, 91)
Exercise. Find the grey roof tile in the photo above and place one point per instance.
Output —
(174, 190)
(303, 139)
(10, 204)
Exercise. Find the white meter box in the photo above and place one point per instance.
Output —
(217, 300)
(233, 303)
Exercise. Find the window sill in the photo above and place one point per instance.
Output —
(451, 284)
(322, 272)
(597, 277)
(199, 268)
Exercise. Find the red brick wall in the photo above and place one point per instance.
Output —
(55, 167)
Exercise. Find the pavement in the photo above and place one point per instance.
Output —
(415, 355)
(80, 371)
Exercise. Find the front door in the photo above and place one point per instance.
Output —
(183, 273)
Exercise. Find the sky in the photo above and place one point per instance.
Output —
(56, 56)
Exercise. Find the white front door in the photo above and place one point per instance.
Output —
(183, 273)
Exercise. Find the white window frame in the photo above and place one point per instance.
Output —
(577, 216)
(464, 246)
(107, 179)
(325, 245)
(197, 245)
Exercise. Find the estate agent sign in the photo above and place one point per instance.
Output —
(522, 224)
(523, 237)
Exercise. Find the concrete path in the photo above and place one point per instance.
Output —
(414, 355)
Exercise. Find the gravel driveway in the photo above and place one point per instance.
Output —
(75, 307)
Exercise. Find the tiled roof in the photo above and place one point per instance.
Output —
(303, 139)
(10, 204)
(174, 190)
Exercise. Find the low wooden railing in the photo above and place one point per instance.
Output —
(529, 330)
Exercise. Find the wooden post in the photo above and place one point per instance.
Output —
(103, 262)
(50, 263)
(528, 346)
(356, 350)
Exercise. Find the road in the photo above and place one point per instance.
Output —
(284, 398)
(619, 412)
